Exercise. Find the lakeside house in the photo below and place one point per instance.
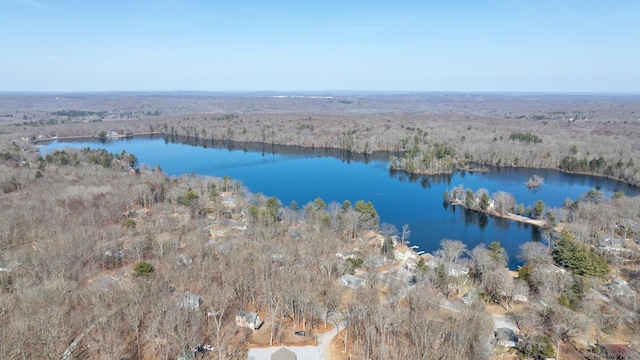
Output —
(404, 255)
(455, 270)
(248, 319)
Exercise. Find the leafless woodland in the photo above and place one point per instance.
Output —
(599, 128)
(74, 225)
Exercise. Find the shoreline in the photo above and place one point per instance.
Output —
(93, 137)
(508, 216)
(422, 173)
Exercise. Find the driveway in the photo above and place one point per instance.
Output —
(319, 352)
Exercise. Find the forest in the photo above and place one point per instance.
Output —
(101, 258)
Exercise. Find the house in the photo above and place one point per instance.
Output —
(470, 297)
(351, 281)
(283, 354)
(452, 269)
(188, 301)
(403, 255)
(349, 255)
(520, 298)
(506, 337)
(611, 244)
(298, 352)
(249, 320)
(457, 270)
(619, 287)
(113, 135)
(229, 201)
(374, 262)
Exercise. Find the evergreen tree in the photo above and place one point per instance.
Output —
(387, 248)
(538, 209)
(579, 258)
(484, 201)
(271, 211)
(498, 253)
(319, 203)
(469, 199)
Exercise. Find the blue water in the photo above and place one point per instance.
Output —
(303, 175)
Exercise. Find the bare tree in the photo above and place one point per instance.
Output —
(451, 250)
(535, 253)
(406, 232)
(498, 285)
(504, 202)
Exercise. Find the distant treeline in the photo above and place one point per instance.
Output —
(79, 113)
(597, 165)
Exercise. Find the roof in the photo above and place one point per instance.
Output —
(351, 281)
(457, 270)
(302, 352)
(470, 297)
(619, 287)
(189, 301)
(506, 337)
(283, 354)
(612, 243)
(250, 317)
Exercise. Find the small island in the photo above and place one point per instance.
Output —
(534, 182)
(501, 204)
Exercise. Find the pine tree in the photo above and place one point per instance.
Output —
(484, 201)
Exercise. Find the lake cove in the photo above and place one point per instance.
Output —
(303, 174)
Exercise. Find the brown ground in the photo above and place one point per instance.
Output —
(576, 348)
(261, 337)
(337, 348)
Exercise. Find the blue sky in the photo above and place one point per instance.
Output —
(475, 45)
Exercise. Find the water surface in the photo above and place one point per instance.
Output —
(293, 173)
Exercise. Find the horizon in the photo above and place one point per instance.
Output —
(497, 46)
(286, 93)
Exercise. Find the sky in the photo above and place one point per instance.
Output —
(590, 46)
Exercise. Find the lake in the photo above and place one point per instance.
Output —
(302, 174)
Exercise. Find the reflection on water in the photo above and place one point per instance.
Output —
(303, 174)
